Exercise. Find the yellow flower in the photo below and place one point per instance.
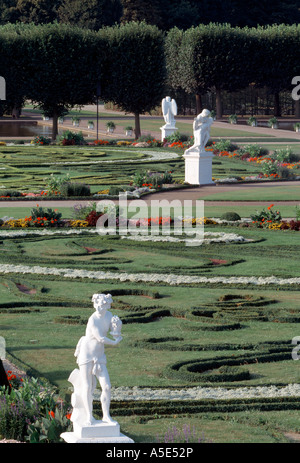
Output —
(79, 223)
(103, 192)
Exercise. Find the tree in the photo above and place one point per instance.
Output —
(135, 72)
(13, 66)
(27, 11)
(64, 65)
(277, 58)
(92, 15)
(263, 12)
(142, 10)
(215, 57)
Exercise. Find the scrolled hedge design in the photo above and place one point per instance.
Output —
(164, 407)
(195, 371)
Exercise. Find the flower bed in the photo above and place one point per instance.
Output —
(30, 411)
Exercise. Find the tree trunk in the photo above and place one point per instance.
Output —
(137, 129)
(16, 112)
(54, 126)
(277, 110)
(198, 104)
(297, 109)
(219, 109)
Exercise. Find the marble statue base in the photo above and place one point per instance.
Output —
(97, 433)
(198, 167)
(166, 131)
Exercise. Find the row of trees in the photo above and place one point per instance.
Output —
(135, 64)
(60, 66)
(165, 14)
(220, 58)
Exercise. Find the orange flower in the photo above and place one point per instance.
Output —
(52, 414)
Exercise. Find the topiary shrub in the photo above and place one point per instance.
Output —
(230, 216)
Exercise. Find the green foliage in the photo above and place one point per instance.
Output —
(47, 429)
(282, 155)
(20, 408)
(153, 179)
(225, 145)
(49, 215)
(55, 182)
(70, 138)
(253, 150)
(74, 189)
(230, 216)
(53, 52)
(210, 52)
(135, 68)
(11, 193)
(264, 218)
(90, 15)
(40, 140)
(81, 211)
(177, 136)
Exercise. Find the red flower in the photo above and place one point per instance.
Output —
(52, 414)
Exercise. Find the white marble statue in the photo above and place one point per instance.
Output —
(198, 162)
(91, 360)
(169, 110)
(201, 129)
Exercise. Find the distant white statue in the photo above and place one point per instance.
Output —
(201, 129)
(91, 360)
(198, 162)
(169, 110)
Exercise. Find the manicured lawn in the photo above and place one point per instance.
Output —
(48, 350)
(272, 193)
(176, 333)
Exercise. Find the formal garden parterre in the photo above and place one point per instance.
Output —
(235, 331)
(217, 320)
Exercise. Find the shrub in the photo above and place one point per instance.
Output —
(40, 140)
(71, 138)
(252, 151)
(80, 211)
(230, 216)
(265, 218)
(115, 190)
(41, 217)
(177, 136)
(26, 405)
(225, 145)
(54, 183)
(75, 189)
(11, 193)
(92, 218)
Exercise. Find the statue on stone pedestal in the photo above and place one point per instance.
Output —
(91, 360)
(201, 128)
(169, 110)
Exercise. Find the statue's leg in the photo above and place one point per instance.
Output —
(86, 389)
(105, 394)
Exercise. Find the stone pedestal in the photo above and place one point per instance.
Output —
(198, 167)
(166, 131)
(97, 433)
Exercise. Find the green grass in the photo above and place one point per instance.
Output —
(250, 427)
(40, 339)
(276, 192)
(245, 210)
(48, 350)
